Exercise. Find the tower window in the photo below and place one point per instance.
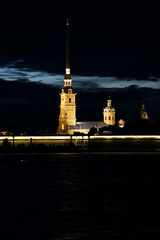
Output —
(109, 117)
(69, 100)
(69, 90)
(105, 118)
(113, 118)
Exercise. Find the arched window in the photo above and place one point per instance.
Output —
(69, 100)
(105, 118)
(109, 117)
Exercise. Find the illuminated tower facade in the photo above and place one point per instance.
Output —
(109, 113)
(67, 115)
(143, 112)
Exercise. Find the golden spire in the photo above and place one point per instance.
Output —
(67, 74)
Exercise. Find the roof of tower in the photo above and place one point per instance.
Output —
(109, 109)
(87, 125)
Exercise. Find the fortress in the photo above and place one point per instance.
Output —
(68, 123)
(66, 140)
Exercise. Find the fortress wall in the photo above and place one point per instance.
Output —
(28, 140)
(92, 143)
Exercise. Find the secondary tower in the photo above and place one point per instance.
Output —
(109, 113)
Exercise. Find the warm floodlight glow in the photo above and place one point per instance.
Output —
(36, 137)
(103, 137)
(67, 70)
(80, 137)
(121, 123)
(126, 137)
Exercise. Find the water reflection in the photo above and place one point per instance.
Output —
(80, 196)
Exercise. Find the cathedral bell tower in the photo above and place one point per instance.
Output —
(67, 115)
(109, 113)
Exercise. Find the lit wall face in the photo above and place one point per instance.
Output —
(67, 111)
(109, 118)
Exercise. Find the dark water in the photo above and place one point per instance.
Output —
(80, 196)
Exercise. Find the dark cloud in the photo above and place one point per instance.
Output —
(89, 83)
(152, 79)
(86, 85)
(36, 105)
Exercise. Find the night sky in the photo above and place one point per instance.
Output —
(115, 49)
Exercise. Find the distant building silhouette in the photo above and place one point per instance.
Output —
(143, 112)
